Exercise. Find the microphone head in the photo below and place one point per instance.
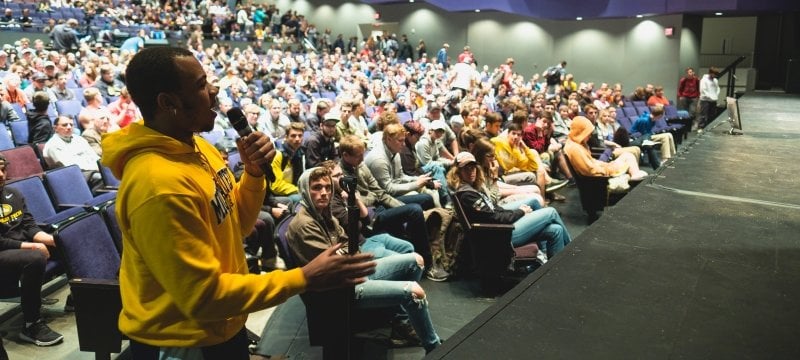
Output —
(238, 120)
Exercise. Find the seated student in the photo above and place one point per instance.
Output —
(24, 249)
(7, 112)
(289, 163)
(607, 126)
(543, 226)
(64, 149)
(40, 128)
(262, 238)
(577, 150)
(658, 97)
(395, 281)
(380, 244)
(401, 216)
(646, 125)
(387, 169)
(94, 134)
(539, 137)
(320, 146)
(498, 190)
(521, 165)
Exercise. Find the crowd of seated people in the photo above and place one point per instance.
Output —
(398, 125)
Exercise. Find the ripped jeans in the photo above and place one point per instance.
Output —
(391, 285)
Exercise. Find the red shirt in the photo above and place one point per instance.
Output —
(689, 87)
(535, 138)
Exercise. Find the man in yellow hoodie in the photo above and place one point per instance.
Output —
(186, 290)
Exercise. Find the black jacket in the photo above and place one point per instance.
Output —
(40, 128)
(480, 209)
(16, 223)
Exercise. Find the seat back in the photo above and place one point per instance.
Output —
(109, 180)
(110, 215)
(593, 191)
(92, 263)
(37, 200)
(70, 108)
(629, 111)
(68, 186)
(460, 214)
(6, 142)
(22, 162)
(19, 130)
(489, 247)
(283, 242)
(88, 248)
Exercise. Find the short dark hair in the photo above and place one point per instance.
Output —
(153, 71)
(514, 127)
(41, 101)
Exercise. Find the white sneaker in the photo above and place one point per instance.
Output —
(541, 258)
(639, 175)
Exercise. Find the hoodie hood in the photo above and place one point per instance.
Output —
(580, 129)
(120, 146)
(304, 188)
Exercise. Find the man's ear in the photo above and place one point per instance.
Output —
(166, 101)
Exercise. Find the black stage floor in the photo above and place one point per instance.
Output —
(698, 263)
(701, 262)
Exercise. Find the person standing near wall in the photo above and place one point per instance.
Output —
(441, 56)
(688, 93)
(709, 94)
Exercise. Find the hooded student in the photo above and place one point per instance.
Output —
(581, 158)
(314, 229)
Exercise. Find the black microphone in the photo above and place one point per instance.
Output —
(239, 122)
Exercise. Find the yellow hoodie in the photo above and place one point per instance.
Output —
(183, 278)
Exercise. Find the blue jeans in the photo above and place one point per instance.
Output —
(407, 222)
(383, 245)
(391, 285)
(438, 173)
(544, 226)
(514, 205)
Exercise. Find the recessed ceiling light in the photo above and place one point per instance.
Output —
(718, 14)
(640, 16)
(411, 1)
(579, 18)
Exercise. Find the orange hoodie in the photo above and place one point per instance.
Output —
(579, 155)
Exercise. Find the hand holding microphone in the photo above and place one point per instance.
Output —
(255, 147)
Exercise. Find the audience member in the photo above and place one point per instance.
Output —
(689, 92)
(40, 127)
(709, 95)
(577, 150)
(289, 163)
(314, 230)
(24, 250)
(65, 149)
(320, 146)
(94, 134)
(543, 226)
(7, 112)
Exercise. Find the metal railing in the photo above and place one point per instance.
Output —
(709, 60)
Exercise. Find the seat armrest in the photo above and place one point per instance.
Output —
(486, 226)
(97, 307)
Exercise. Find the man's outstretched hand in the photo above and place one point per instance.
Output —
(330, 270)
